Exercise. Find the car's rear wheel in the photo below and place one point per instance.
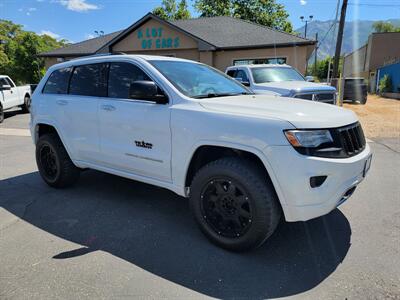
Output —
(54, 164)
(234, 204)
(1, 114)
(26, 107)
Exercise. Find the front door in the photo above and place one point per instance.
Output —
(135, 135)
(10, 97)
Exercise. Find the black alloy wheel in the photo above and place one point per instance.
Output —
(48, 161)
(234, 203)
(226, 207)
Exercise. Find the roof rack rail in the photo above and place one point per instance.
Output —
(101, 54)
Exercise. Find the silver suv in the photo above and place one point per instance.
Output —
(281, 80)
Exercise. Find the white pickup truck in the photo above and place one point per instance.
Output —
(242, 159)
(281, 80)
(12, 96)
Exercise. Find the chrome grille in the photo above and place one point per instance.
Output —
(319, 96)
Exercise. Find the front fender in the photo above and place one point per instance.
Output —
(235, 146)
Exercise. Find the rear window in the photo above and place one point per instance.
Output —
(89, 80)
(57, 82)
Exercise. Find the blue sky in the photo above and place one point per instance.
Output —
(76, 20)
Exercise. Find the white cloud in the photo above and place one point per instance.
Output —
(78, 5)
(49, 33)
(89, 36)
(32, 9)
(303, 2)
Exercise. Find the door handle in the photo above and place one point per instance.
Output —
(108, 107)
(62, 102)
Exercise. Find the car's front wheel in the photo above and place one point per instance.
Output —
(54, 164)
(234, 204)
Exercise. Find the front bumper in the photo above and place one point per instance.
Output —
(292, 172)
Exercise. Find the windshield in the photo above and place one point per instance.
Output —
(197, 80)
(271, 74)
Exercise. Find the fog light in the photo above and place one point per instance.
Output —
(317, 181)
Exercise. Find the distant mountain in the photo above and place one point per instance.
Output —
(355, 35)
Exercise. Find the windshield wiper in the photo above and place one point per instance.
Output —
(214, 95)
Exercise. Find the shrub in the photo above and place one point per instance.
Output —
(385, 84)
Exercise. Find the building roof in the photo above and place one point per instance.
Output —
(87, 47)
(227, 32)
(216, 32)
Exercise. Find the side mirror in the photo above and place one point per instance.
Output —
(148, 91)
(310, 78)
(244, 82)
(5, 87)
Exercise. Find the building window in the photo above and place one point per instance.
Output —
(257, 61)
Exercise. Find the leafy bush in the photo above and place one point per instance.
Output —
(385, 84)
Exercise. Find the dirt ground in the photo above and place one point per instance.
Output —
(380, 117)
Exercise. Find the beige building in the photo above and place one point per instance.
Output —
(381, 49)
(217, 41)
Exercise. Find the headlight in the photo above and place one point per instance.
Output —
(308, 138)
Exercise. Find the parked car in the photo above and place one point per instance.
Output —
(242, 159)
(12, 95)
(281, 80)
(355, 90)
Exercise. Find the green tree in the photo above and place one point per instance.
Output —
(264, 12)
(170, 10)
(213, 8)
(19, 51)
(381, 26)
(321, 71)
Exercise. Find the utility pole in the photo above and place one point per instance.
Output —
(339, 40)
(315, 53)
(306, 21)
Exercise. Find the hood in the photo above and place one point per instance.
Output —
(300, 113)
(287, 87)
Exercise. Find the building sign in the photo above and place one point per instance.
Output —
(152, 38)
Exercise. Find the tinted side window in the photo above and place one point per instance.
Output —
(120, 78)
(57, 82)
(242, 74)
(231, 73)
(10, 83)
(3, 81)
(89, 80)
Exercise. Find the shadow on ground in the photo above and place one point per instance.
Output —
(153, 229)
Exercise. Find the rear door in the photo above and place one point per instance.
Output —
(135, 135)
(77, 111)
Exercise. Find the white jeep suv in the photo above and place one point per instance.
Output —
(242, 159)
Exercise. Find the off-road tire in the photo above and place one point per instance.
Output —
(261, 195)
(1, 114)
(66, 173)
(26, 107)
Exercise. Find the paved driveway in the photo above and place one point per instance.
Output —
(108, 237)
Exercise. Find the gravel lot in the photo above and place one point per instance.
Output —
(108, 237)
(380, 117)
